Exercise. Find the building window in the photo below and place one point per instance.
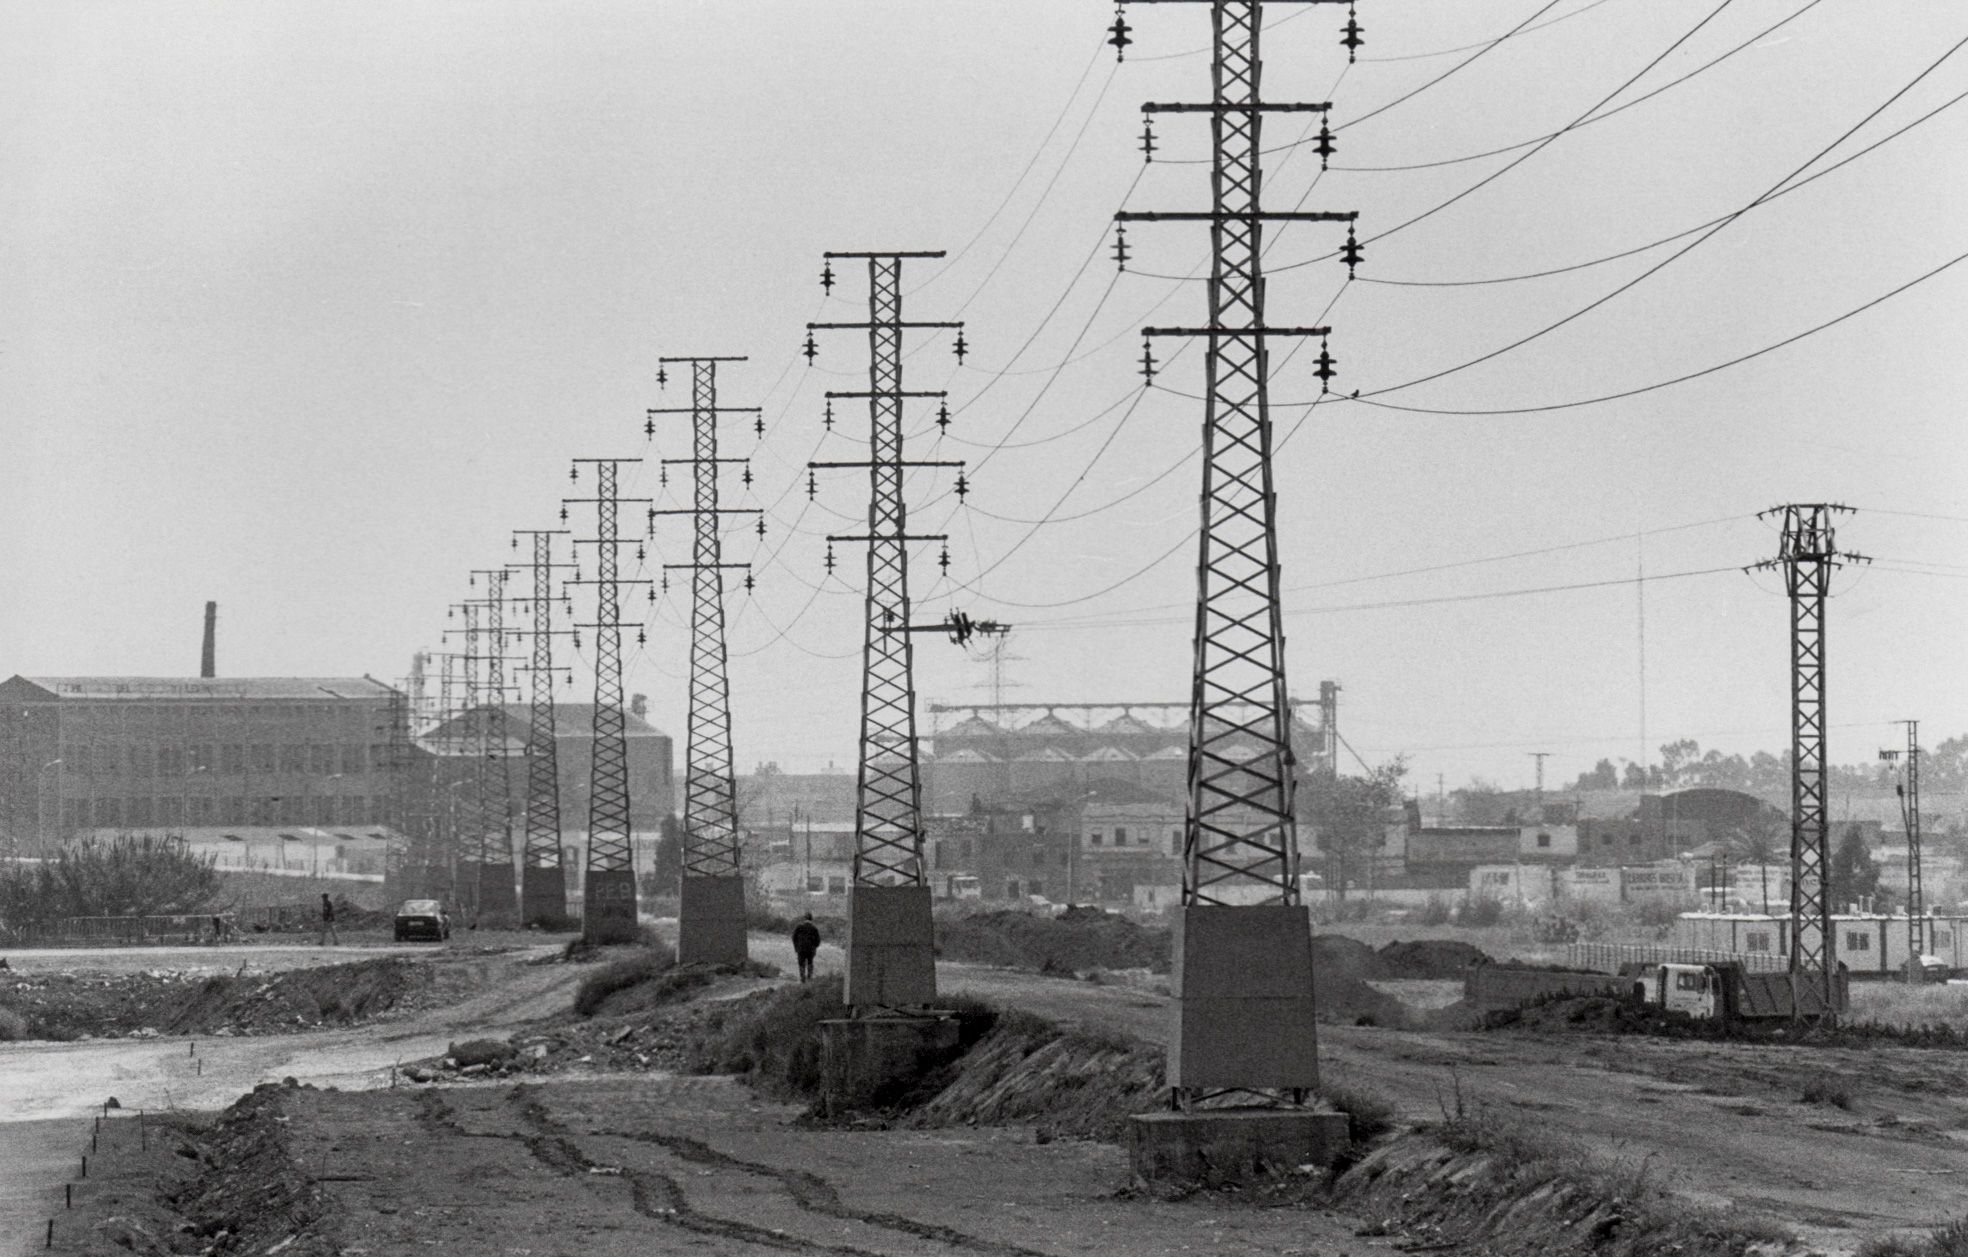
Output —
(293, 758)
(1943, 938)
(352, 758)
(1011, 889)
(1606, 841)
(1120, 836)
(1035, 887)
(1175, 842)
(1544, 840)
(1757, 941)
(1632, 840)
(1097, 837)
(815, 885)
(1857, 941)
(936, 856)
(837, 885)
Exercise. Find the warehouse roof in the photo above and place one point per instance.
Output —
(154, 689)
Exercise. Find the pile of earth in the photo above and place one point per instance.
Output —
(72, 1005)
(1426, 958)
(1075, 941)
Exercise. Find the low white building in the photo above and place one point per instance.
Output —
(1512, 883)
(1867, 942)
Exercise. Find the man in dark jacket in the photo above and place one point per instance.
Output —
(328, 930)
(806, 941)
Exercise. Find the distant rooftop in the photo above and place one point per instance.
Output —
(266, 689)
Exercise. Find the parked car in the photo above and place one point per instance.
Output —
(422, 918)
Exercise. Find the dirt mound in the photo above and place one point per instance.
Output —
(1337, 956)
(1477, 1184)
(1348, 1001)
(157, 1001)
(1029, 1071)
(1077, 940)
(1429, 958)
(253, 1196)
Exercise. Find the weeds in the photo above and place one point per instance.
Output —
(1826, 1089)
(13, 1026)
(1947, 1241)
(652, 962)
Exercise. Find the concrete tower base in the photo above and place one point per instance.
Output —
(1217, 1147)
(711, 921)
(610, 915)
(890, 961)
(1242, 985)
(542, 894)
(498, 899)
(865, 1060)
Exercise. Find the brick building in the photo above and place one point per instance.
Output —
(117, 753)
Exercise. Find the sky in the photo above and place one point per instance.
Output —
(306, 307)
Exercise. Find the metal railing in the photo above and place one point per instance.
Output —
(1609, 957)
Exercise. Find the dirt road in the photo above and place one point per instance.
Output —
(47, 1089)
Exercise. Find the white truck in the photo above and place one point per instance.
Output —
(1722, 991)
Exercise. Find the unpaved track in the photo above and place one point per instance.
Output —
(1723, 1124)
(42, 1082)
(658, 1166)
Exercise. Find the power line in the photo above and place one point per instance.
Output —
(1679, 379)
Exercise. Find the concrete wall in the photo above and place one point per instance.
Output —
(1512, 883)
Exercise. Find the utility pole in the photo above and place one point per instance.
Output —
(1329, 724)
(1808, 553)
(403, 848)
(1538, 798)
(609, 914)
(1909, 793)
(470, 821)
(498, 890)
(890, 963)
(1242, 942)
(543, 882)
(711, 903)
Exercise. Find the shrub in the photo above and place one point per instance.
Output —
(1434, 912)
(13, 1026)
(774, 1040)
(555, 923)
(1370, 1114)
(645, 965)
(1826, 1089)
(1479, 912)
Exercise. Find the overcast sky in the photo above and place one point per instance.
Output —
(304, 307)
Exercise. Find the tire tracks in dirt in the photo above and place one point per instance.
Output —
(661, 1197)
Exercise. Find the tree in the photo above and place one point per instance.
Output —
(1762, 840)
(1349, 815)
(1678, 761)
(1854, 874)
(1602, 777)
(107, 878)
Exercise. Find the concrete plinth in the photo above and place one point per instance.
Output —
(890, 960)
(865, 1061)
(498, 898)
(1243, 1006)
(542, 895)
(1224, 1146)
(711, 921)
(609, 914)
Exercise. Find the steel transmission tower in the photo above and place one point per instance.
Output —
(468, 819)
(1808, 554)
(498, 903)
(711, 909)
(890, 963)
(1243, 950)
(1909, 792)
(609, 898)
(543, 882)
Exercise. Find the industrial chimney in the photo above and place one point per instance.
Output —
(208, 666)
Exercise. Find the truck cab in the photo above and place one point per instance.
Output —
(1692, 989)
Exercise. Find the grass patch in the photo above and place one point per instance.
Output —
(773, 1040)
(645, 965)
(13, 1026)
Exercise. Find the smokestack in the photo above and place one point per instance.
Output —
(208, 666)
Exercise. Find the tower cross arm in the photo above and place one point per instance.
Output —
(1156, 106)
(886, 323)
(1226, 216)
(700, 410)
(1236, 331)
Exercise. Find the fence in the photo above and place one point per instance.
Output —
(189, 927)
(1609, 957)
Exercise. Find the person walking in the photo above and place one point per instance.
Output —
(328, 930)
(806, 941)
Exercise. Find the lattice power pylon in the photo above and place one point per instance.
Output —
(711, 907)
(468, 815)
(543, 881)
(498, 883)
(609, 896)
(1243, 961)
(1909, 792)
(1808, 554)
(890, 962)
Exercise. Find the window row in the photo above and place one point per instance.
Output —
(149, 760)
(143, 811)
